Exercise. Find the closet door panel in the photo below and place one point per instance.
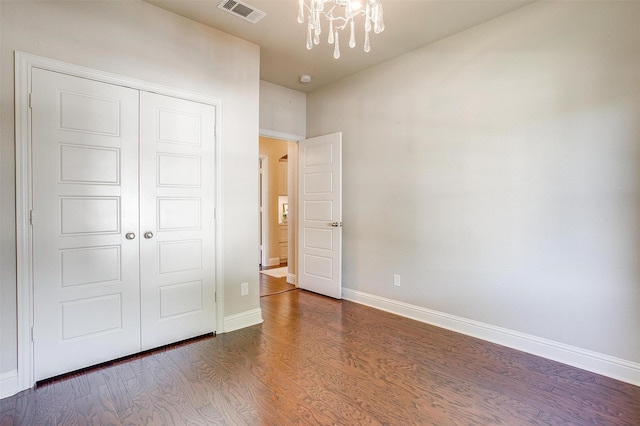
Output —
(177, 219)
(85, 200)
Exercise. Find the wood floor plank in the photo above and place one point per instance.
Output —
(7, 410)
(240, 389)
(378, 373)
(80, 385)
(320, 361)
(380, 343)
(90, 411)
(270, 285)
(185, 373)
(97, 407)
(275, 370)
(221, 402)
(46, 408)
(122, 403)
(171, 392)
(25, 407)
(143, 411)
(163, 401)
(65, 402)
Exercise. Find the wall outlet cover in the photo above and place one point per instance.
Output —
(396, 280)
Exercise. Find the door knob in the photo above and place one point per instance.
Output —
(148, 235)
(130, 236)
(336, 224)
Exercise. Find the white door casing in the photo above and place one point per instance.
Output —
(25, 65)
(85, 199)
(177, 224)
(320, 215)
(123, 246)
(262, 203)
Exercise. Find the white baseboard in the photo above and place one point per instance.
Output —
(242, 320)
(280, 135)
(274, 261)
(292, 279)
(8, 383)
(595, 362)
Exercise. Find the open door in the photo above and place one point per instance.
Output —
(320, 215)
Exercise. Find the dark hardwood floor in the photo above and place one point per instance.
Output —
(319, 361)
(271, 285)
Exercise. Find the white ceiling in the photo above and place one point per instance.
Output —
(410, 24)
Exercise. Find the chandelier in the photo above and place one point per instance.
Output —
(340, 14)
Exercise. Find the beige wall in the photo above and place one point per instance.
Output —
(282, 112)
(137, 40)
(498, 172)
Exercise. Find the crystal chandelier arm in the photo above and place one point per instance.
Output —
(378, 19)
(314, 9)
(301, 6)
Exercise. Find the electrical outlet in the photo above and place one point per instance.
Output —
(396, 280)
(244, 289)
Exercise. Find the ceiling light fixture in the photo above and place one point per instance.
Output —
(372, 12)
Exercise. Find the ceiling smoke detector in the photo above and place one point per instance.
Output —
(242, 10)
(305, 78)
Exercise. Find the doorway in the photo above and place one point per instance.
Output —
(277, 210)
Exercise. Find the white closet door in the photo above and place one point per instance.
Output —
(177, 257)
(85, 200)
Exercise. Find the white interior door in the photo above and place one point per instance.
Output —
(320, 215)
(177, 223)
(85, 200)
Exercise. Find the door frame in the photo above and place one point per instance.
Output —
(24, 64)
(292, 230)
(263, 203)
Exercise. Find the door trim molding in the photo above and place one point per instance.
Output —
(280, 135)
(264, 206)
(24, 64)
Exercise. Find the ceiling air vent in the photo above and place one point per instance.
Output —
(242, 10)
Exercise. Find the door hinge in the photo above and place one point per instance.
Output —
(30, 104)
(32, 334)
(214, 214)
(215, 297)
(30, 217)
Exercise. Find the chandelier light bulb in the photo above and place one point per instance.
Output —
(340, 14)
